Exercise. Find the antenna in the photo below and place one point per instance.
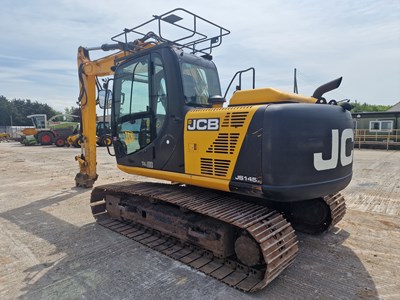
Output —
(295, 90)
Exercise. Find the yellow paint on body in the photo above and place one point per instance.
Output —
(213, 153)
(210, 153)
(217, 184)
(265, 96)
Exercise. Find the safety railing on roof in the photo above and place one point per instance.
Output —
(194, 32)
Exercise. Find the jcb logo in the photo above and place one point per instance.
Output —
(203, 124)
(321, 164)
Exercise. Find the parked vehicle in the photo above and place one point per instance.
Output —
(48, 132)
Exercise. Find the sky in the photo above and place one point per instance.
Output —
(323, 40)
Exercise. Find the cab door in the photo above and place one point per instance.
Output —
(140, 109)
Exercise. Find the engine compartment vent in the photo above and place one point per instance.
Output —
(225, 143)
(234, 119)
(214, 167)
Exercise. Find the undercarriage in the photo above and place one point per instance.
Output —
(245, 245)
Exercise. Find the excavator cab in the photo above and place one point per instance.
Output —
(152, 94)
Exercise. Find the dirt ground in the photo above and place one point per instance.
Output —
(51, 248)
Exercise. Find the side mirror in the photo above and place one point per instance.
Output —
(104, 98)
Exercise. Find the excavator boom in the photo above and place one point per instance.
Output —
(88, 71)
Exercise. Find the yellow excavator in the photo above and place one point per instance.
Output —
(244, 176)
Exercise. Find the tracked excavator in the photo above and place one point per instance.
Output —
(244, 176)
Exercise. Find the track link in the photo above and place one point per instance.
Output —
(274, 235)
(313, 216)
(337, 207)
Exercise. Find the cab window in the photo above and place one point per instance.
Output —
(199, 83)
(159, 92)
(132, 105)
(140, 102)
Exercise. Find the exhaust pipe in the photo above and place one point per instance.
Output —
(327, 87)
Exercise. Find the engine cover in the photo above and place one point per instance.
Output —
(307, 150)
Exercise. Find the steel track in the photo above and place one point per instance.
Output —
(275, 236)
(337, 206)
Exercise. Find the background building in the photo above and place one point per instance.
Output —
(378, 129)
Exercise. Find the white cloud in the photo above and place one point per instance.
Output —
(323, 39)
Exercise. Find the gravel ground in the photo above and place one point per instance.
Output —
(50, 247)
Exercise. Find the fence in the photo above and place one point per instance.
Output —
(364, 137)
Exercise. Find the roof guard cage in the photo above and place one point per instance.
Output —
(188, 36)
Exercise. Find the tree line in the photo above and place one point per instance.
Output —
(14, 112)
(364, 107)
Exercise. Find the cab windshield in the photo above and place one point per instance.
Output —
(199, 83)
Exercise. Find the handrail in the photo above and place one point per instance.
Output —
(364, 136)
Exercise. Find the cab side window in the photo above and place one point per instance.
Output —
(199, 83)
(140, 102)
(159, 92)
(134, 128)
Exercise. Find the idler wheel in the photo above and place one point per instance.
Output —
(310, 216)
(247, 250)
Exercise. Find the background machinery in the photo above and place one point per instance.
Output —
(48, 132)
(245, 176)
(4, 137)
(103, 132)
(103, 136)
